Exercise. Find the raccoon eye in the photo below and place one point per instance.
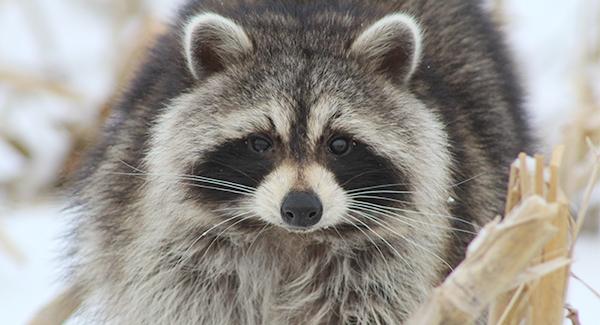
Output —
(340, 146)
(259, 144)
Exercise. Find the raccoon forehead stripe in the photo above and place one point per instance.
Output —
(320, 117)
(281, 117)
(270, 116)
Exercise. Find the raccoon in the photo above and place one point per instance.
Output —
(297, 162)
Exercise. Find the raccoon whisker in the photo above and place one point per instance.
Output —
(404, 220)
(412, 242)
(184, 257)
(195, 178)
(220, 182)
(359, 175)
(378, 198)
(241, 172)
(372, 241)
(258, 234)
(380, 192)
(468, 180)
(228, 210)
(366, 235)
(408, 221)
(417, 245)
(340, 235)
(219, 189)
(251, 215)
(142, 173)
(365, 208)
(375, 187)
(248, 192)
(405, 184)
(385, 226)
(209, 179)
(131, 166)
(409, 211)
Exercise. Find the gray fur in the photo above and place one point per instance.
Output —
(144, 252)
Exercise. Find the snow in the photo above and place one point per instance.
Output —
(36, 231)
(11, 163)
(546, 38)
(587, 267)
(75, 44)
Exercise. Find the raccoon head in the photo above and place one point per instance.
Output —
(301, 129)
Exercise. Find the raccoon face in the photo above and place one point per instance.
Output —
(309, 140)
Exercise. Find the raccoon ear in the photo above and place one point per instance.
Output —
(392, 46)
(211, 42)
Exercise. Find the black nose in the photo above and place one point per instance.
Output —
(301, 209)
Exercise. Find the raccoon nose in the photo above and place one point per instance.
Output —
(301, 209)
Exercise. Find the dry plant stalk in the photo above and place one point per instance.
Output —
(585, 114)
(10, 248)
(133, 56)
(58, 310)
(549, 292)
(28, 83)
(526, 254)
(498, 11)
(542, 301)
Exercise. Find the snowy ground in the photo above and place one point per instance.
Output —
(36, 231)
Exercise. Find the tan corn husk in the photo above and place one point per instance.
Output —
(542, 301)
(518, 266)
(59, 310)
(501, 253)
(9, 248)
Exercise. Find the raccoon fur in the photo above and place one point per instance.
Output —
(297, 162)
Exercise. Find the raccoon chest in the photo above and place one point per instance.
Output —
(319, 293)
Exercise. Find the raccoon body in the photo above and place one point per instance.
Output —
(297, 162)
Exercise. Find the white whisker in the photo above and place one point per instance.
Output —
(410, 211)
(380, 192)
(222, 232)
(402, 258)
(258, 234)
(185, 176)
(184, 256)
(214, 181)
(218, 189)
(409, 221)
(406, 184)
(468, 179)
(366, 235)
(414, 244)
(376, 186)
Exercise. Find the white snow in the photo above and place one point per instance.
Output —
(546, 37)
(36, 231)
(586, 267)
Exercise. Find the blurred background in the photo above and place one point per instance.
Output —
(63, 62)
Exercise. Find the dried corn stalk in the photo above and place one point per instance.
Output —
(59, 310)
(541, 301)
(585, 114)
(10, 249)
(519, 264)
